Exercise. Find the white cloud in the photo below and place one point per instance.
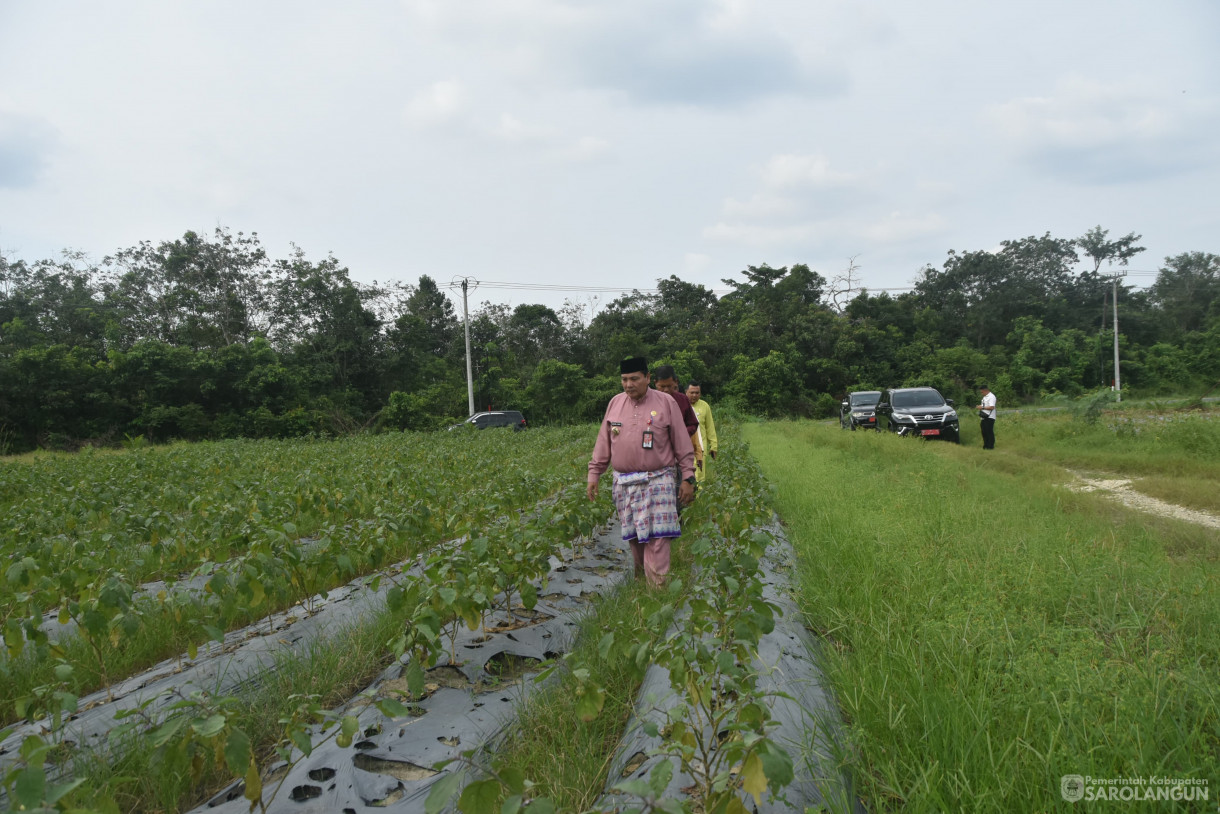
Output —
(805, 171)
(898, 227)
(441, 103)
(588, 148)
(25, 144)
(685, 52)
(760, 235)
(694, 263)
(1103, 132)
(761, 206)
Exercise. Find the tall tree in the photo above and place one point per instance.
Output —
(193, 292)
(1099, 249)
(1187, 292)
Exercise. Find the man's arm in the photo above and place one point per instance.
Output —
(600, 461)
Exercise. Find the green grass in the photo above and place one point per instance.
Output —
(1177, 450)
(334, 669)
(991, 631)
(566, 757)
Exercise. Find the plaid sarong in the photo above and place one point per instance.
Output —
(647, 504)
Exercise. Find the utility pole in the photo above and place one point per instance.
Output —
(466, 321)
(1118, 386)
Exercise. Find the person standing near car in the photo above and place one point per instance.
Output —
(642, 438)
(707, 426)
(986, 409)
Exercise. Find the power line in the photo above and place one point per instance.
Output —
(597, 289)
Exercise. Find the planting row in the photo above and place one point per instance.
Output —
(706, 733)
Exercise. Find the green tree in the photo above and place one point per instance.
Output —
(194, 292)
(1099, 249)
(554, 392)
(766, 386)
(1186, 293)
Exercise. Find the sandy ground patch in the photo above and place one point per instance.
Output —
(1121, 489)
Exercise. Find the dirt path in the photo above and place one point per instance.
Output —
(1121, 489)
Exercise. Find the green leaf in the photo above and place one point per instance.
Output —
(237, 751)
(659, 777)
(636, 788)
(480, 797)
(59, 790)
(209, 727)
(415, 678)
(166, 732)
(300, 738)
(442, 792)
(589, 702)
(30, 787)
(393, 708)
(777, 763)
(603, 646)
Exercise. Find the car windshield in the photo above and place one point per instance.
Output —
(916, 399)
(865, 399)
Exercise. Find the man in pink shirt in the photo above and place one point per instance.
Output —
(642, 438)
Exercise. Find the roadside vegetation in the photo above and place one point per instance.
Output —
(989, 631)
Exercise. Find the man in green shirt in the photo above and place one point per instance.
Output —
(707, 426)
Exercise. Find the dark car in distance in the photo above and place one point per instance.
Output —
(495, 418)
(859, 409)
(921, 412)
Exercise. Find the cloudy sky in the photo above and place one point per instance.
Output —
(609, 143)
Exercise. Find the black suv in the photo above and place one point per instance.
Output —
(497, 418)
(920, 411)
(859, 409)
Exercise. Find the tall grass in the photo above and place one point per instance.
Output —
(991, 631)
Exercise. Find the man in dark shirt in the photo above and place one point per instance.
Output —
(667, 382)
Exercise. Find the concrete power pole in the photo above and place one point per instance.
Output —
(470, 377)
(1118, 382)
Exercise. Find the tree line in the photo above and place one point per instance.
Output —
(207, 336)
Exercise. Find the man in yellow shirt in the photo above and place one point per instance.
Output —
(707, 426)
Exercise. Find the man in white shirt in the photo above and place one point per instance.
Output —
(987, 416)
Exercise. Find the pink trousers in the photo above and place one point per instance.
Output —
(653, 558)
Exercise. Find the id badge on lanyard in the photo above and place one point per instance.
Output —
(647, 444)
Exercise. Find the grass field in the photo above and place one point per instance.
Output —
(991, 631)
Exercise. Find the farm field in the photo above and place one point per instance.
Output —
(137, 553)
(119, 560)
(990, 629)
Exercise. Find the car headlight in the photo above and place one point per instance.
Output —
(900, 418)
(860, 415)
(951, 415)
